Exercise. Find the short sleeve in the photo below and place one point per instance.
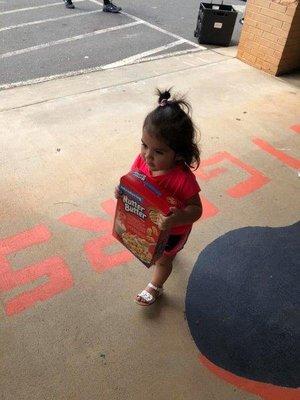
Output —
(190, 186)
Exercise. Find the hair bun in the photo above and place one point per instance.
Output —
(165, 95)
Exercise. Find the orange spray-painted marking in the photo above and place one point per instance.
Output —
(295, 128)
(280, 155)
(253, 183)
(265, 390)
(96, 249)
(54, 268)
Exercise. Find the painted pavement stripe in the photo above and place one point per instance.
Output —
(155, 27)
(172, 54)
(240, 9)
(66, 40)
(132, 59)
(37, 7)
(41, 21)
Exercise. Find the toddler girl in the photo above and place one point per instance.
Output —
(168, 151)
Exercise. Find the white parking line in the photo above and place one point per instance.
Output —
(78, 72)
(66, 40)
(165, 55)
(36, 7)
(144, 56)
(41, 21)
(132, 59)
(240, 9)
(156, 27)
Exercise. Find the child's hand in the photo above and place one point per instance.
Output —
(117, 192)
(166, 223)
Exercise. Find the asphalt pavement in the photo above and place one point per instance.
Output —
(42, 40)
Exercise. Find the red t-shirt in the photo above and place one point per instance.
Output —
(179, 181)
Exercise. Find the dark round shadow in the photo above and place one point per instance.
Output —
(243, 304)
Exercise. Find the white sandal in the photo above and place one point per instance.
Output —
(148, 297)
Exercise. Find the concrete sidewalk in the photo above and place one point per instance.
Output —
(70, 329)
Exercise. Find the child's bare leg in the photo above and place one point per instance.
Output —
(162, 271)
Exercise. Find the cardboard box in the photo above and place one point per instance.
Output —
(137, 211)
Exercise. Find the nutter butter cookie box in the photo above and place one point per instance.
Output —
(136, 216)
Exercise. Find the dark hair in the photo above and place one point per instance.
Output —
(171, 121)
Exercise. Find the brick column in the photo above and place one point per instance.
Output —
(270, 38)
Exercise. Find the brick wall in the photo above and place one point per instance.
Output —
(270, 38)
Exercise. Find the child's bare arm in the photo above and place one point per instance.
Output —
(191, 213)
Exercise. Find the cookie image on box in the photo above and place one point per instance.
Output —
(137, 214)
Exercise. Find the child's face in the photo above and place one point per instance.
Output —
(157, 154)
